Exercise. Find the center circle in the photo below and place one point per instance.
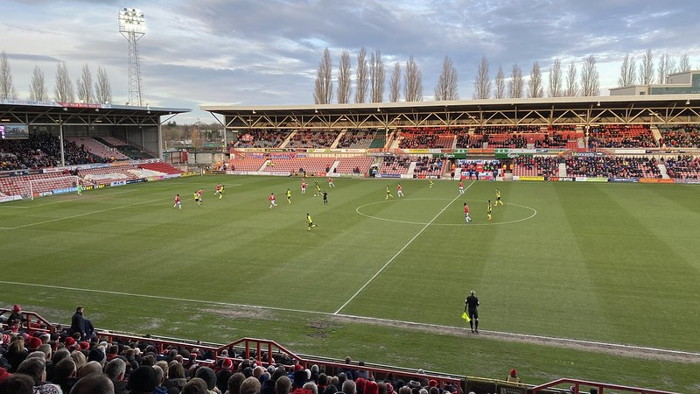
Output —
(362, 210)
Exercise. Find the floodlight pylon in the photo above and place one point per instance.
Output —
(132, 25)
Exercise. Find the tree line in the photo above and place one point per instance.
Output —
(562, 81)
(87, 92)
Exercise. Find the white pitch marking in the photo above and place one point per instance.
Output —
(389, 321)
(400, 251)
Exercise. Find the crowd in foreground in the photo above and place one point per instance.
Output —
(75, 360)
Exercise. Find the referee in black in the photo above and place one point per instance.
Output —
(471, 305)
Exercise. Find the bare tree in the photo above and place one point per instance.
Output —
(534, 87)
(362, 79)
(646, 68)
(571, 84)
(376, 77)
(555, 84)
(500, 83)
(324, 86)
(446, 88)
(395, 84)
(103, 89)
(665, 67)
(7, 89)
(84, 85)
(590, 80)
(628, 72)
(684, 63)
(413, 85)
(37, 88)
(482, 83)
(515, 86)
(63, 88)
(344, 78)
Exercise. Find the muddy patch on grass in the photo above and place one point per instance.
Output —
(241, 313)
(589, 346)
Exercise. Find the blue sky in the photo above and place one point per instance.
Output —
(266, 52)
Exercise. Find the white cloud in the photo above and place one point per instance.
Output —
(266, 52)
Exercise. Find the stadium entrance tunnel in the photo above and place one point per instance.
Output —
(423, 211)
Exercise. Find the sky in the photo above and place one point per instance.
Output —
(266, 52)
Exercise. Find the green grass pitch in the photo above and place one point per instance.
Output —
(611, 263)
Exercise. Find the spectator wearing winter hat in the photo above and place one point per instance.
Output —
(16, 317)
(371, 387)
(4, 374)
(513, 376)
(98, 355)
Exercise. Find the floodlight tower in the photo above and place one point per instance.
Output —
(132, 25)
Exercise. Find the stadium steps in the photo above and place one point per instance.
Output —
(337, 140)
(335, 163)
(562, 170)
(656, 133)
(411, 169)
(663, 171)
(286, 140)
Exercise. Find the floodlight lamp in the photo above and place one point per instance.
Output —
(132, 21)
(598, 104)
(687, 102)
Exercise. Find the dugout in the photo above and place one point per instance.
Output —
(140, 127)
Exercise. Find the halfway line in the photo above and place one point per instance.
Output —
(400, 251)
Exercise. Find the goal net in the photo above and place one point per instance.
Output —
(49, 186)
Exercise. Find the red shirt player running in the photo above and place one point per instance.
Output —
(330, 182)
(303, 187)
(178, 204)
(273, 201)
(461, 187)
(466, 213)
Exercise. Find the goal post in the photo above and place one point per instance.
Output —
(49, 186)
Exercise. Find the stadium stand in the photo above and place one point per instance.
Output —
(246, 164)
(98, 149)
(312, 139)
(536, 166)
(160, 167)
(379, 141)
(309, 165)
(354, 165)
(682, 167)
(41, 151)
(421, 138)
(260, 139)
(395, 165)
(615, 167)
(429, 166)
(19, 185)
(685, 136)
(356, 139)
(621, 136)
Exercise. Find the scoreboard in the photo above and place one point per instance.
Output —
(14, 131)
